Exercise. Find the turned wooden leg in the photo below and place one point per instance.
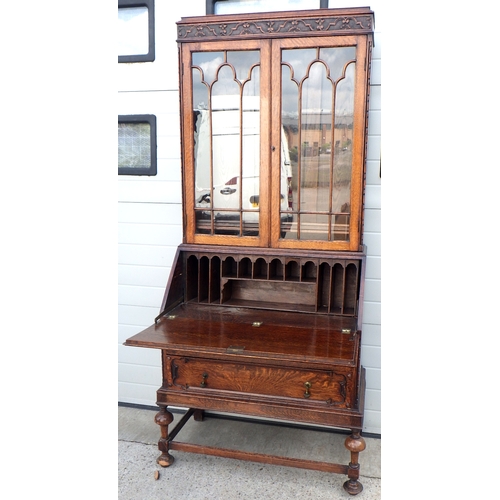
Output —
(163, 418)
(355, 444)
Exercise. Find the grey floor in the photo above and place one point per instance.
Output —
(195, 477)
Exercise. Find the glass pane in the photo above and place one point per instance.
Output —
(317, 117)
(134, 145)
(298, 61)
(314, 227)
(133, 32)
(243, 62)
(226, 103)
(336, 58)
(251, 152)
(226, 152)
(202, 126)
(289, 152)
(316, 123)
(209, 63)
(342, 165)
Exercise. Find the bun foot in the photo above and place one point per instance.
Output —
(165, 459)
(353, 487)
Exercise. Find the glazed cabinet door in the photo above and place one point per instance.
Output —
(274, 134)
(225, 89)
(319, 105)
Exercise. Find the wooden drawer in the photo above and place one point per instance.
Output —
(194, 374)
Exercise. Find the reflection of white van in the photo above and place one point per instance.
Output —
(226, 146)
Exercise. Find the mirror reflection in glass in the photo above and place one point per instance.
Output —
(317, 116)
(226, 107)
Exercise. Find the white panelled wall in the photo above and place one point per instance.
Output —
(150, 212)
(371, 335)
(149, 208)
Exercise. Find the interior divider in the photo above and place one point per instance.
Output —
(323, 285)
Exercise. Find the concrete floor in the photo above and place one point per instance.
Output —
(196, 477)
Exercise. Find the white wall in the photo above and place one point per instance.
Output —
(371, 335)
(149, 212)
(149, 208)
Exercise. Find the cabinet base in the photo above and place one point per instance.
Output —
(352, 486)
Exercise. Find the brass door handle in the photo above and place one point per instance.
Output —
(307, 386)
(204, 381)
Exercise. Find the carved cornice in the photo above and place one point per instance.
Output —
(271, 28)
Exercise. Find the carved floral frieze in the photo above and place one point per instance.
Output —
(276, 27)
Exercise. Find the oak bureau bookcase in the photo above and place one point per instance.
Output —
(262, 313)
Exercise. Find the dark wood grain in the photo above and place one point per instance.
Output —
(331, 387)
(203, 330)
(260, 324)
(260, 457)
(319, 22)
(288, 409)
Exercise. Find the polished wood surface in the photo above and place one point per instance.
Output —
(274, 33)
(333, 387)
(203, 329)
(329, 283)
(266, 406)
(260, 324)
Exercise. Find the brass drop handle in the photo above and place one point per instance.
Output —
(204, 381)
(307, 386)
